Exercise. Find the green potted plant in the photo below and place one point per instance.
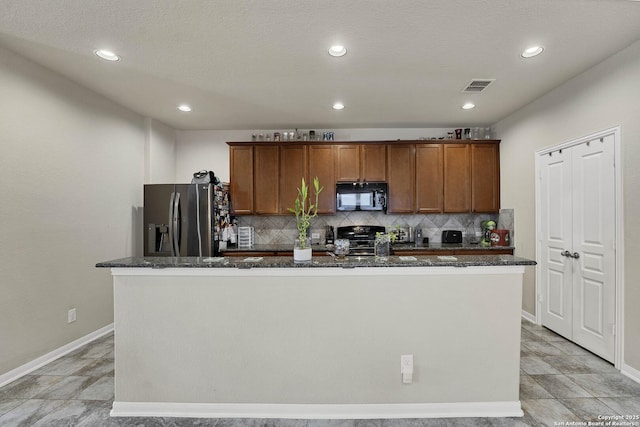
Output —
(304, 210)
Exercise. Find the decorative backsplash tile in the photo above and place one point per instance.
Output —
(506, 222)
(281, 229)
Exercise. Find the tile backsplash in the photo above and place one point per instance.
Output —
(281, 229)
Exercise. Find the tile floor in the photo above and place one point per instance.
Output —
(559, 382)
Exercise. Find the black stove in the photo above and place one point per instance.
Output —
(361, 238)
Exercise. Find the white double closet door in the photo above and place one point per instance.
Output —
(577, 244)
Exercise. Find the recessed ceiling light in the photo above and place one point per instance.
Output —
(184, 108)
(106, 55)
(338, 106)
(468, 106)
(337, 50)
(532, 51)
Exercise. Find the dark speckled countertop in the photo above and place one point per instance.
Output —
(396, 247)
(321, 261)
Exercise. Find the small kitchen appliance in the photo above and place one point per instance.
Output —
(328, 235)
(451, 236)
(361, 196)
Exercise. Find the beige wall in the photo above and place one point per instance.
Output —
(605, 96)
(71, 173)
(207, 149)
(159, 153)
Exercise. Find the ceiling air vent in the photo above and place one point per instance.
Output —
(477, 85)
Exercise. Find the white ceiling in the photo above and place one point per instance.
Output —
(263, 64)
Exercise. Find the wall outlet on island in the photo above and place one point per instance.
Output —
(406, 368)
(71, 315)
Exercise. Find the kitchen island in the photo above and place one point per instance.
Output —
(267, 338)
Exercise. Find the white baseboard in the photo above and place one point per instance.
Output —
(53, 355)
(317, 411)
(630, 372)
(529, 317)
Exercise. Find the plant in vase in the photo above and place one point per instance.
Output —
(304, 210)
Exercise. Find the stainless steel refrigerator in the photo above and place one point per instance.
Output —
(181, 220)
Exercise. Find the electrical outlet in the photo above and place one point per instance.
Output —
(406, 368)
(315, 235)
(71, 315)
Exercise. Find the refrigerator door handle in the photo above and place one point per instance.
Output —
(175, 248)
(170, 222)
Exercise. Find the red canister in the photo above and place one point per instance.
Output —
(500, 238)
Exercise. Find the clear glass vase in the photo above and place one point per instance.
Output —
(382, 247)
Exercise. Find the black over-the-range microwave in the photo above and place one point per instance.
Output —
(361, 196)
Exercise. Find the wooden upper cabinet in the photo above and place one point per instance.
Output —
(373, 162)
(361, 162)
(401, 178)
(423, 177)
(266, 172)
(322, 164)
(241, 179)
(485, 178)
(457, 178)
(429, 182)
(347, 162)
(293, 167)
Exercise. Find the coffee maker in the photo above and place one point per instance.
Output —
(328, 235)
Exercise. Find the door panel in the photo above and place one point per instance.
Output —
(577, 214)
(157, 204)
(457, 179)
(593, 240)
(555, 218)
(401, 167)
(555, 291)
(374, 158)
(428, 181)
(266, 174)
(592, 316)
(321, 164)
(347, 163)
(293, 167)
(241, 180)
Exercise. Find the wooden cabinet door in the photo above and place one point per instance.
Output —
(347, 163)
(374, 162)
(485, 178)
(293, 167)
(241, 179)
(429, 182)
(457, 178)
(322, 164)
(266, 173)
(401, 178)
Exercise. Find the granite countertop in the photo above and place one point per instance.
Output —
(396, 246)
(446, 247)
(285, 247)
(322, 261)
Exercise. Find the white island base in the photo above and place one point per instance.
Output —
(317, 342)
